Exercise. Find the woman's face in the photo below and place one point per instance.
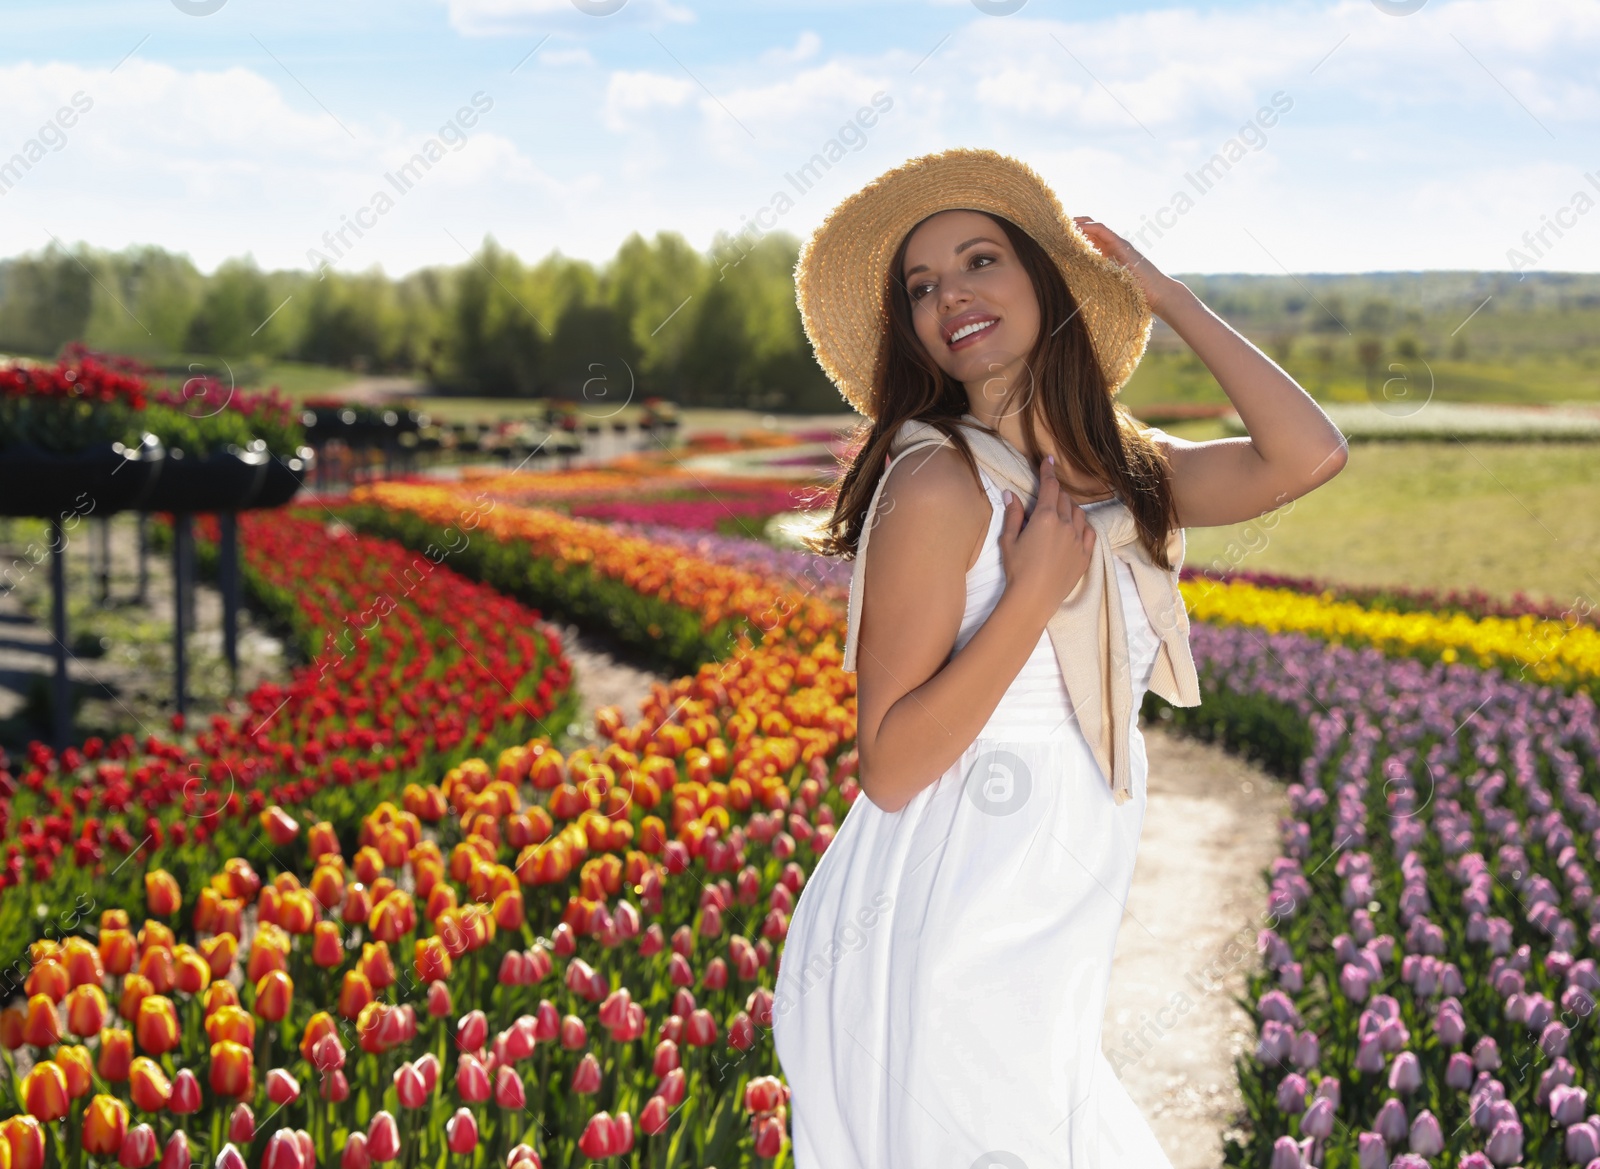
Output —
(972, 302)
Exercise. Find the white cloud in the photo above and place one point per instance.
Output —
(489, 18)
(638, 91)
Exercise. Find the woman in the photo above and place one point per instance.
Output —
(942, 986)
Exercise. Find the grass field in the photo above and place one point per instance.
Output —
(1498, 516)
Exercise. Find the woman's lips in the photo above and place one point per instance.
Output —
(988, 328)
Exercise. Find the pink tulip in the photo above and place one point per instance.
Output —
(427, 1066)
(139, 1147)
(282, 1088)
(472, 1031)
(229, 1158)
(653, 1120)
(283, 1151)
(185, 1096)
(242, 1124)
(408, 1086)
(472, 1082)
(438, 999)
(355, 1155)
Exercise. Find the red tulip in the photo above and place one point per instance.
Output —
(409, 1086)
(281, 828)
(274, 996)
(139, 1147)
(604, 1136)
(335, 1087)
(508, 1089)
(700, 1029)
(438, 1000)
(162, 894)
(282, 1088)
(355, 1152)
(472, 1082)
(283, 1150)
(232, 1069)
(673, 1087)
(327, 945)
(26, 1138)
(383, 1137)
(428, 1069)
(176, 1154)
(586, 1077)
(156, 1026)
(242, 1124)
(471, 1031)
(461, 1132)
(764, 1094)
(185, 1096)
(86, 1010)
(653, 1120)
(229, 1158)
(769, 1136)
(741, 1034)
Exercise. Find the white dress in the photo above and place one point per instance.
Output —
(941, 990)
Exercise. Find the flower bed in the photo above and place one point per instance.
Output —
(411, 665)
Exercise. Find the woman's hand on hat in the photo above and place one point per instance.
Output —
(1045, 558)
(1108, 243)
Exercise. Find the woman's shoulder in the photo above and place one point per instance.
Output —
(936, 478)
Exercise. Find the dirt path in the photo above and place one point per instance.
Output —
(1172, 1029)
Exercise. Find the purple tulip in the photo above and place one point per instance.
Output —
(1499, 935)
(1427, 1138)
(1475, 1161)
(1306, 1050)
(1292, 978)
(1328, 1089)
(1567, 1104)
(1354, 982)
(1318, 1120)
(1504, 1146)
(1371, 1151)
(1392, 1122)
(1583, 1142)
(1286, 1154)
(1405, 1074)
(1277, 1005)
(1393, 1036)
(1292, 1093)
(1409, 1161)
(1458, 1072)
(1553, 1039)
(1369, 1056)
(1272, 1046)
(1450, 1027)
(1486, 1054)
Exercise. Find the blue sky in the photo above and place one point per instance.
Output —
(1441, 137)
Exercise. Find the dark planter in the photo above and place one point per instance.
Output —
(224, 481)
(284, 478)
(102, 479)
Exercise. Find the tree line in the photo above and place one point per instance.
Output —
(718, 328)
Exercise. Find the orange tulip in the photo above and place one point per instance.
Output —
(118, 951)
(274, 996)
(25, 1136)
(327, 945)
(116, 1054)
(508, 909)
(232, 1069)
(220, 953)
(245, 882)
(44, 1092)
(155, 933)
(433, 960)
(86, 1010)
(148, 1085)
(193, 971)
(78, 1066)
(50, 978)
(42, 1027)
(231, 1025)
(320, 1024)
(104, 1126)
(390, 921)
(157, 1025)
(297, 912)
(321, 839)
(281, 828)
(12, 1022)
(355, 994)
(162, 893)
(357, 907)
(327, 886)
(157, 963)
(135, 988)
(377, 964)
(83, 963)
(218, 995)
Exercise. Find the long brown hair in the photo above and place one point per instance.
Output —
(1089, 427)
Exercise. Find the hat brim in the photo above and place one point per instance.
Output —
(841, 273)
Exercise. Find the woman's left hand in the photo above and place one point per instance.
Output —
(1108, 243)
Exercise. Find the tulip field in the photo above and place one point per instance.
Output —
(394, 915)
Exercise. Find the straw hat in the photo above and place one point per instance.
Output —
(842, 275)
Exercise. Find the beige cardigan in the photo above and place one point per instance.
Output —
(1090, 621)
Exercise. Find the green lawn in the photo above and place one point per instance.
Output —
(1498, 516)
